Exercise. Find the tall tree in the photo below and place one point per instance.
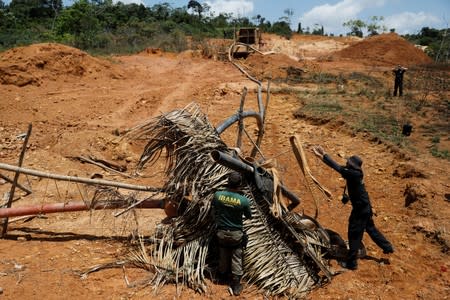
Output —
(299, 28)
(35, 9)
(282, 28)
(80, 20)
(289, 12)
(374, 26)
(355, 26)
(197, 7)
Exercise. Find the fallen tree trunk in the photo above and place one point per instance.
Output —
(72, 206)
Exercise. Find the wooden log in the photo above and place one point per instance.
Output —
(241, 120)
(79, 179)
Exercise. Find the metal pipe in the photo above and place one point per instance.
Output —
(237, 165)
(69, 207)
(231, 162)
(228, 122)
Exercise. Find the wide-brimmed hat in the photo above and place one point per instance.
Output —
(355, 162)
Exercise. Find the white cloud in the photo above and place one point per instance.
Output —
(236, 7)
(410, 23)
(332, 16)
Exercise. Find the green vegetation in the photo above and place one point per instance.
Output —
(107, 26)
(434, 150)
(367, 106)
(437, 42)
(373, 26)
(323, 107)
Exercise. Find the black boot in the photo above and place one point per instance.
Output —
(222, 278)
(349, 265)
(236, 286)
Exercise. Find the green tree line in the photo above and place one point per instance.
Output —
(104, 25)
(437, 42)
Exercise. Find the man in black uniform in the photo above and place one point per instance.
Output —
(398, 82)
(361, 216)
(228, 207)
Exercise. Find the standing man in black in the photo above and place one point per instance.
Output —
(361, 216)
(398, 81)
(228, 208)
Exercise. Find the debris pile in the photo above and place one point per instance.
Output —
(285, 252)
(275, 66)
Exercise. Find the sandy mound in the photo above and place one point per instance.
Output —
(308, 47)
(48, 61)
(276, 66)
(386, 48)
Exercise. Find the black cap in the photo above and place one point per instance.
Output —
(234, 179)
(355, 162)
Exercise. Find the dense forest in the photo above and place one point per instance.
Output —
(102, 26)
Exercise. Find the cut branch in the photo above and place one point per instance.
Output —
(79, 179)
(23, 188)
(16, 178)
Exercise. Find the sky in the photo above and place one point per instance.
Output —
(406, 16)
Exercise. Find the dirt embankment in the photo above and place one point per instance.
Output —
(36, 63)
(384, 49)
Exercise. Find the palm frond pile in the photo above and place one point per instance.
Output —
(284, 254)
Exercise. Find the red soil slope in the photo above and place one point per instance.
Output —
(385, 48)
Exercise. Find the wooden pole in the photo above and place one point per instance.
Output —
(79, 179)
(25, 189)
(241, 119)
(16, 178)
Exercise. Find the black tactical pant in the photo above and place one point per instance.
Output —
(398, 85)
(230, 251)
(357, 224)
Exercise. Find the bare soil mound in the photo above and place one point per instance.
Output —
(385, 48)
(49, 61)
(276, 66)
(306, 46)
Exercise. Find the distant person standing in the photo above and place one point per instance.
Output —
(398, 72)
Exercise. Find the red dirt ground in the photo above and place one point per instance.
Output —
(77, 105)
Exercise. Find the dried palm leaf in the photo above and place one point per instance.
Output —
(282, 258)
